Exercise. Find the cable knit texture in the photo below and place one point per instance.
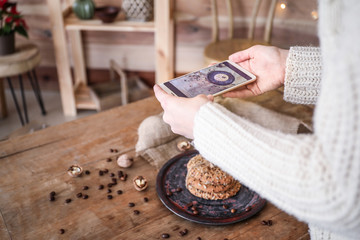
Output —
(314, 177)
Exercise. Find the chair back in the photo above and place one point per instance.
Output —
(268, 23)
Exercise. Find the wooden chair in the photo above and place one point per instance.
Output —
(219, 50)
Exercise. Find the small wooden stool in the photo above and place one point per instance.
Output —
(24, 60)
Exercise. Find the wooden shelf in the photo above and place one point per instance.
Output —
(71, 22)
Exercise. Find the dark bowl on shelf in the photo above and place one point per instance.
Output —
(107, 14)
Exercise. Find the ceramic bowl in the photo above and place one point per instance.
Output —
(107, 14)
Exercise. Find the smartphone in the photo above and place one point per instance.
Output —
(214, 80)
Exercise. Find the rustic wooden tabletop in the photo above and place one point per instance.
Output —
(33, 165)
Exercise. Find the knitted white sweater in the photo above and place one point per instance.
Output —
(314, 177)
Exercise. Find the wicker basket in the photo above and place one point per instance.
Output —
(139, 10)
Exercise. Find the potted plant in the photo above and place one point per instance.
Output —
(10, 22)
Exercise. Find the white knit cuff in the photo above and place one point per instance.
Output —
(303, 75)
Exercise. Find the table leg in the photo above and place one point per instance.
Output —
(15, 101)
(23, 98)
(37, 91)
(3, 109)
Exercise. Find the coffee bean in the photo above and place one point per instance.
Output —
(115, 150)
(85, 188)
(87, 172)
(111, 150)
(85, 196)
(114, 180)
(183, 232)
(165, 235)
(198, 238)
(226, 239)
(120, 173)
(233, 210)
(146, 199)
(79, 195)
(110, 185)
(270, 222)
(109, 160)
(52, 193)
(109, 196)
(131, 204)
(124, 177)
(179, 189)
(101, 172)
(52, 198)
(114, 183)
(119, 192)
(112, 175)
(263, 222)
(225, 206)
(106, 170)
(248, 209)
(136, 212)
(101, 187)
(62, 231)
(68, 200)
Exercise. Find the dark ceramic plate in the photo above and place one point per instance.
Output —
(211, 212)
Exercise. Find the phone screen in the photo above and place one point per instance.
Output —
(208, 81)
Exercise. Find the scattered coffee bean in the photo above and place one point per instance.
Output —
(109, 191)
(124, 177)
(131, 204)
(136, 212)
(226, 239)
(114, 180)
(233, 210)
(101, 172)
(120, 173)
(119, 192)
(111, 150)
(263, 222)
(195, 212)
(198, 238)
(87, 172)
(106, 170)
(85, 188)
(225, 206)
(68, 200)
(270, 222)
(146, 199)
(109, 196)
(112, 175)
(101, 187)
(179, 189)
(183, 232)
(115, 150)
(52, 193)
(165, 235)
(79, 195)
(85, 196)
(62, 231)
(110, 185)
(109, 160)
(248, 209)
(52, 198)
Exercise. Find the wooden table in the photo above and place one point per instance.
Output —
(33, 165)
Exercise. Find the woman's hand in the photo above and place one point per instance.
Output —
(180, 112)
(266, 63)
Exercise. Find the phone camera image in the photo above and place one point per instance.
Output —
(220, 77)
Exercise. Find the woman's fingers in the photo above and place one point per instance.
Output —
(240, 56)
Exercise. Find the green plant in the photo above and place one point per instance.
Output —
(10, 20)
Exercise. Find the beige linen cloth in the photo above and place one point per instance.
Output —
(157, 143)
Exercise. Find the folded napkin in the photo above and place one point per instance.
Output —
(157, 143)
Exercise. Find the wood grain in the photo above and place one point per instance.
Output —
(33, 165)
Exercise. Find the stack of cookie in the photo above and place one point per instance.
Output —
(207, 181)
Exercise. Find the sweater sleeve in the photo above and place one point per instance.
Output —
(315, 177)
(303, 75)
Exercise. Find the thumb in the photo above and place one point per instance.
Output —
(240, 56)
(160, 94)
